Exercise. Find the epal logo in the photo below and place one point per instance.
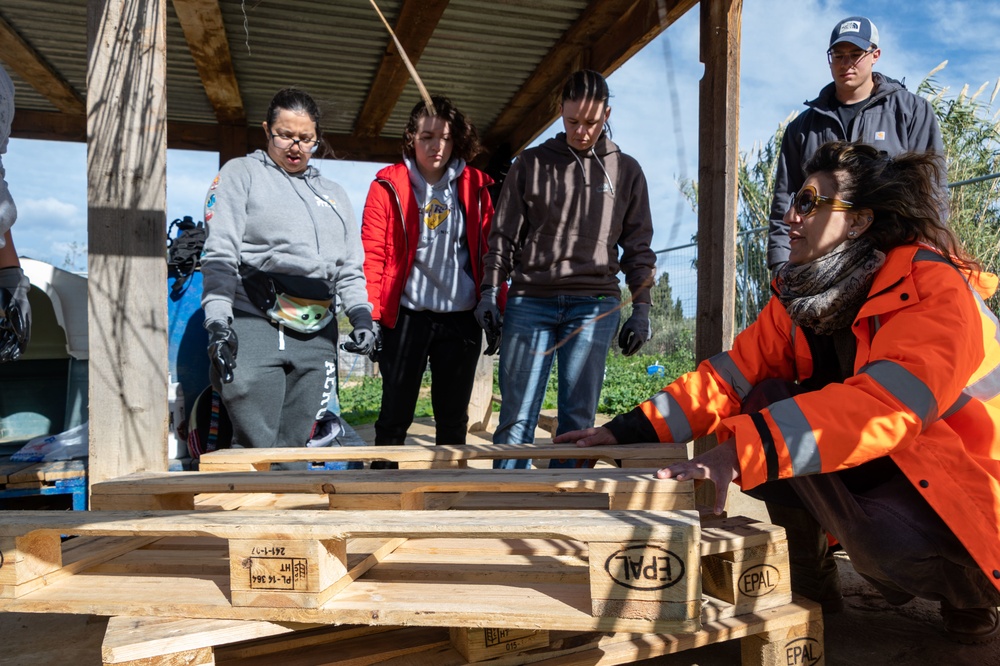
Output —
(803, 652)
(759, 580)
(644, 567)
(850, 26)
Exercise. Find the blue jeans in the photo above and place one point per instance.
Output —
(576, 330)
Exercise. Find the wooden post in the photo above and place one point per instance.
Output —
(126, 224)
(718, 155)
(232, 142)
(481, 403)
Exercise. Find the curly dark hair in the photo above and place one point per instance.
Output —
(463, 133)
(905, 194)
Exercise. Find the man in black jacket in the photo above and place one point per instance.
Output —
(859, 105)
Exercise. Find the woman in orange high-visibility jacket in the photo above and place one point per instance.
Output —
(899, 457)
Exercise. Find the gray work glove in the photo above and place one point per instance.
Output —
(489, 318)
(15, 313)
(222, 348)
(636, 330)
(364, 339)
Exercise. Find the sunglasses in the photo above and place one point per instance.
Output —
(806, 201)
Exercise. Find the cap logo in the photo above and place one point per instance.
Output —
(850, 26)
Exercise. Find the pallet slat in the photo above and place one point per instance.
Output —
(393, 489)
(653, 455)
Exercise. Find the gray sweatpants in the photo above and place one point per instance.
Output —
(277, 394)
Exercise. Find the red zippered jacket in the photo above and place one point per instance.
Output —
(390, 229)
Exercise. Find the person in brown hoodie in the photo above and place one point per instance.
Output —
(572, 214)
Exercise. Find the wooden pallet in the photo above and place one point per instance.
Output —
(292, 566)
(394, 489)
(425, 457)
(577, 571)
(788, 635)
(774, 630)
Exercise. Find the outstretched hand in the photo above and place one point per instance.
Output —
(587, 437)
(720, 465)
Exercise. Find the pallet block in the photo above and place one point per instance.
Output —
(652, 455)
(283, 564)
(789, 635)
(393, 489)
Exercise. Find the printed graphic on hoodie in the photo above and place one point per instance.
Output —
(435, 213)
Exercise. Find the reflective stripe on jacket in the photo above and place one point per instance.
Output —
(390, 231)
(926, 392)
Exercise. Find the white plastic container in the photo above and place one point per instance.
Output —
(177, 431)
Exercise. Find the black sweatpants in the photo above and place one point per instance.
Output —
(451, 341)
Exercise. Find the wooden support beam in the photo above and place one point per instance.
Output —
(40, 75)
(198, 136)
(126, 225)
(537, 99)
(232, 142)
(416, 24)
(205, 33)
(589, 43)
(718, 195)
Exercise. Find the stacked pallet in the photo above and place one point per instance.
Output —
(24, 482)
(639, 576)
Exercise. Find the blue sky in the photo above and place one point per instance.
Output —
(783, 63)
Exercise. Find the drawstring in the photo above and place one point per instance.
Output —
(281, 336)
(583, 169)
(606, 176)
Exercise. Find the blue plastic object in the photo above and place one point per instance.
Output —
(187, 338)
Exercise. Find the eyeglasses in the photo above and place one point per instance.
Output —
(286, 142)
(808, 199)
(849, 58)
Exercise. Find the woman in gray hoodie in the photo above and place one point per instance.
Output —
(572, 214)
(283, 247)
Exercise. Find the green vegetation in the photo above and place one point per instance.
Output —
(360, 401)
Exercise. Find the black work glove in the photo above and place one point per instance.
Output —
(636, 330)
(15, 313)
(222, 348)
(489, 318)
(363, 337)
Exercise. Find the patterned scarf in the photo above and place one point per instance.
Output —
(827, 293)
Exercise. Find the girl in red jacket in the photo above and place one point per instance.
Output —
(424, 232)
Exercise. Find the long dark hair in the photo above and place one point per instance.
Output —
(906, 194)
(464, 136)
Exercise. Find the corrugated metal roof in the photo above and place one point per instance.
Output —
(480, 53)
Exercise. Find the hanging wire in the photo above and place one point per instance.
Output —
(246, 25)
